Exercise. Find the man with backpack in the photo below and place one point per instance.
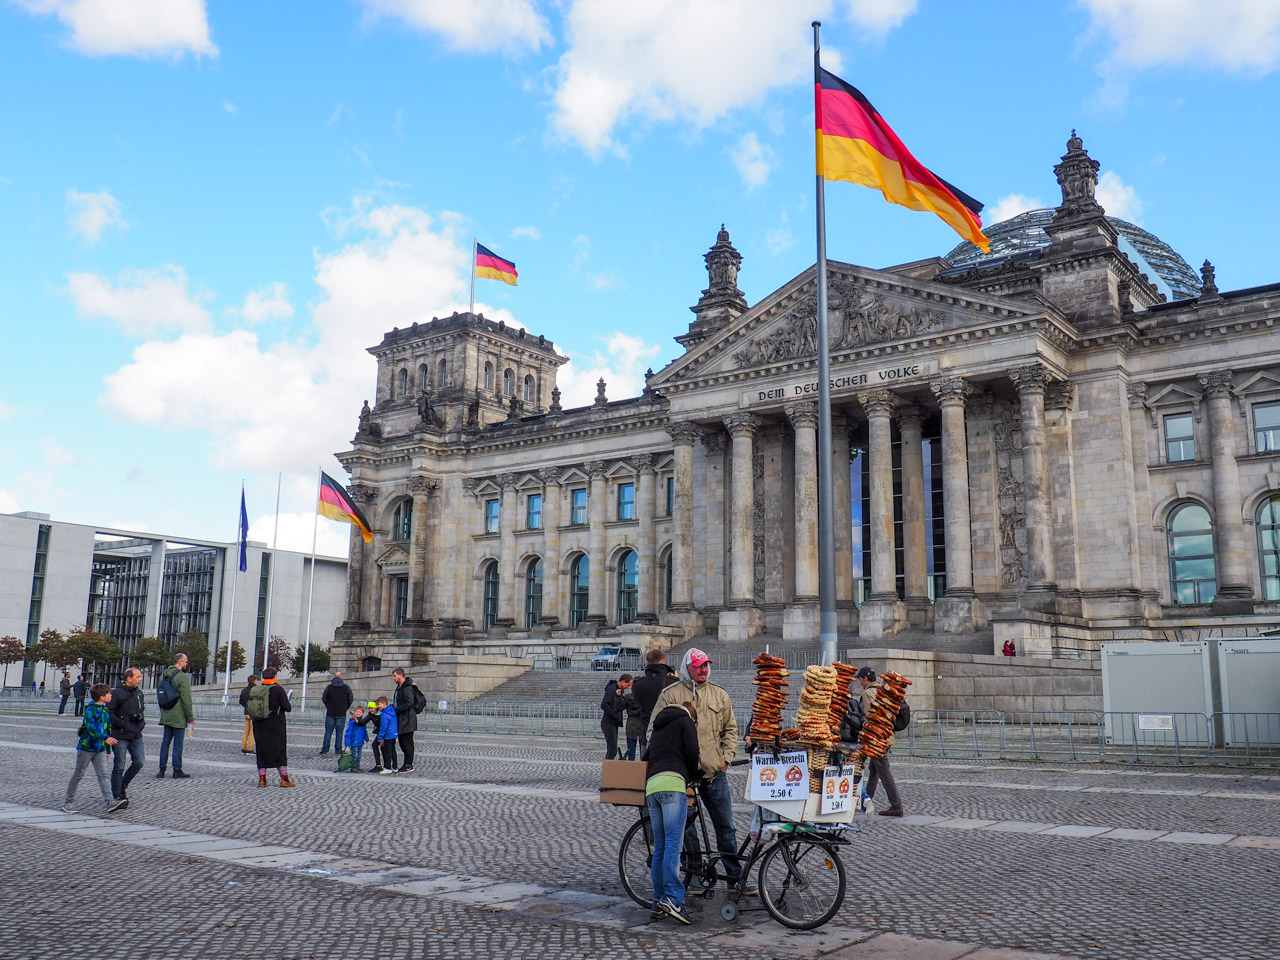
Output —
(877, 767)
(408, 701)
(644, 692)
(173, 694)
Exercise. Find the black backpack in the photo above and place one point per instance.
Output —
(166, 693)
(903, 719)
(419, 700)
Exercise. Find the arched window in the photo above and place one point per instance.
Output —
(440, 378)
(528, 388)
(532, 594)
(507, 384)
(402, 520)
(424, 378)
(490, 594)
(1192, 576)
(488, 375)
(628, 586)
(371, 663)
(1269, 548)
(579, 584)
(404, 383)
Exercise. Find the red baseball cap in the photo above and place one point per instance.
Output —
(697, 658)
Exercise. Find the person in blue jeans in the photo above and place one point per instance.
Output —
(337, 699)
(355, 737)
(175, 719)
(673, 765)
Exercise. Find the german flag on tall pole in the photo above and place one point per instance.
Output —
(487, 265)
(336, 504)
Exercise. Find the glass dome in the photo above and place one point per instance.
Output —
(1025, 233)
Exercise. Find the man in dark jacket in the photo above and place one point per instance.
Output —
(79, 689)
(657, 676)
(406, 700)
(337, 698)
(612, 705)
(246, 738)
(128, 716)
(64, 688)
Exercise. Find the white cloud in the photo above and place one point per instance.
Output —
(145, 301)
(752, 161)
(132, 27)
(1232, 35)
(622, 364)
(1118, 198)
(6, 410)
(605, 280)
(88, 214)
(478, 26)
(880, 16)
(332, 539)
(230, 107)
(533, 233)
(269, 303)
(780, 237)
(55, 456)
(1010, 205)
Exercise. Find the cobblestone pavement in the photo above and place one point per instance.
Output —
(497, 848)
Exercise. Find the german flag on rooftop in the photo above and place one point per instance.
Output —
(855, 144)
(490, 266)
(336, 504)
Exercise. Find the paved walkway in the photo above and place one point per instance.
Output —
(499, 849)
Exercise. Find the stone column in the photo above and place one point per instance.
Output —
(742, 620)
(842, 515)
(421, 488)
(800, 618)
(359, 602)
(1140, 452)
(387, 613)
(953, 612)
(683, 436)
(915, 563)
(551, 579)
(597, 511)
(1235, 593)
(508, 576)
(1031, 381)
(646, 489)
(879, 616)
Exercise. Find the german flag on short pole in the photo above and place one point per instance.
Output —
(336, 504)
(855, 144)
(490, 266)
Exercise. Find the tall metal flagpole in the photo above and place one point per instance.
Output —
(231, 622)
(311, 592)
(472, 309)
(271, 577)
(827, 628)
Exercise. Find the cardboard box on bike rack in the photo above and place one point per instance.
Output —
(622, 782)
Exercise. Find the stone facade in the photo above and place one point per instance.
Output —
(1041, 445)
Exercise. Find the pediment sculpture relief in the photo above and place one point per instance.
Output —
(856, 316)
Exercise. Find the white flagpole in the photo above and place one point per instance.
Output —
(231, 622)
(311, 592)
(472, 308)
(271, 577)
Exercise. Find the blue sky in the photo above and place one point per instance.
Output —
(207, 212)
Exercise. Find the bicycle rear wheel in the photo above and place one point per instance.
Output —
(802, 882)
(635, 862)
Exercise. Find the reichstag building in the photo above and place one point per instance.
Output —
(1068, 440)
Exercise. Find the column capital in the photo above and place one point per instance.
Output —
(952, 390)
(881, 403)
(469, 485)
(423, 486)
(1059, 394)
(803, 414)
(1031, 378)
(643, 462)
(1137, 393)
(550, 476)
(683, 432)
(595, 469)
(1217, 384)
(362, 494)
(909, 416)
(713, 440)
(840, 421)
(742, 424)
(507, 481)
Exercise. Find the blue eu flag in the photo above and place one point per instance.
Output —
(244, 534)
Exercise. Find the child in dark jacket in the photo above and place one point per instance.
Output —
(388, 731)
(355, 737)
(673, 766)
(373, 722)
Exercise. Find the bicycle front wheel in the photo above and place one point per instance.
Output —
(635, 862)
(802, 882)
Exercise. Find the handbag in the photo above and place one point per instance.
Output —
(346, 760)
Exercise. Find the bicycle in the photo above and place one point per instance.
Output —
(800, 876)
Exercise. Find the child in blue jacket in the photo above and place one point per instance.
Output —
(356, 737)
(387, 733)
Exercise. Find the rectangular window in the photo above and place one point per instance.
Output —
(491, 516)
(402, 600)
(533, 515)
(1266, 427)
(671, 496)
(1179, 439)
(578, 506)
(626, 501)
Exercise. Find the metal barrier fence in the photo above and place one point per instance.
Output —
(736, 662)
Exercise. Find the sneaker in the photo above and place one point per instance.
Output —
(179, 775)
(68, 808)
(160, 775)
(655, 911)
(746, 888)
(119, 803)
(891, 812)
(675, 910)
(408, 769)
(386, 770)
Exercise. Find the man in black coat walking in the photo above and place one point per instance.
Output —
(80, 690)
(612, 706)
(657, 677)
(409, 702)
(128, 716)
(337, 698)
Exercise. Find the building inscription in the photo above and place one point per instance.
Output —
(855, 379)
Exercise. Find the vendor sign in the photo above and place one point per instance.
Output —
(839, 788)
(784, 776)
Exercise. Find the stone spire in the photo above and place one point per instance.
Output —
(1078, 176)
(721, 301)
(1208, 282)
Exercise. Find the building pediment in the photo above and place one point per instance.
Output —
(393, 556)
(865, 308)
